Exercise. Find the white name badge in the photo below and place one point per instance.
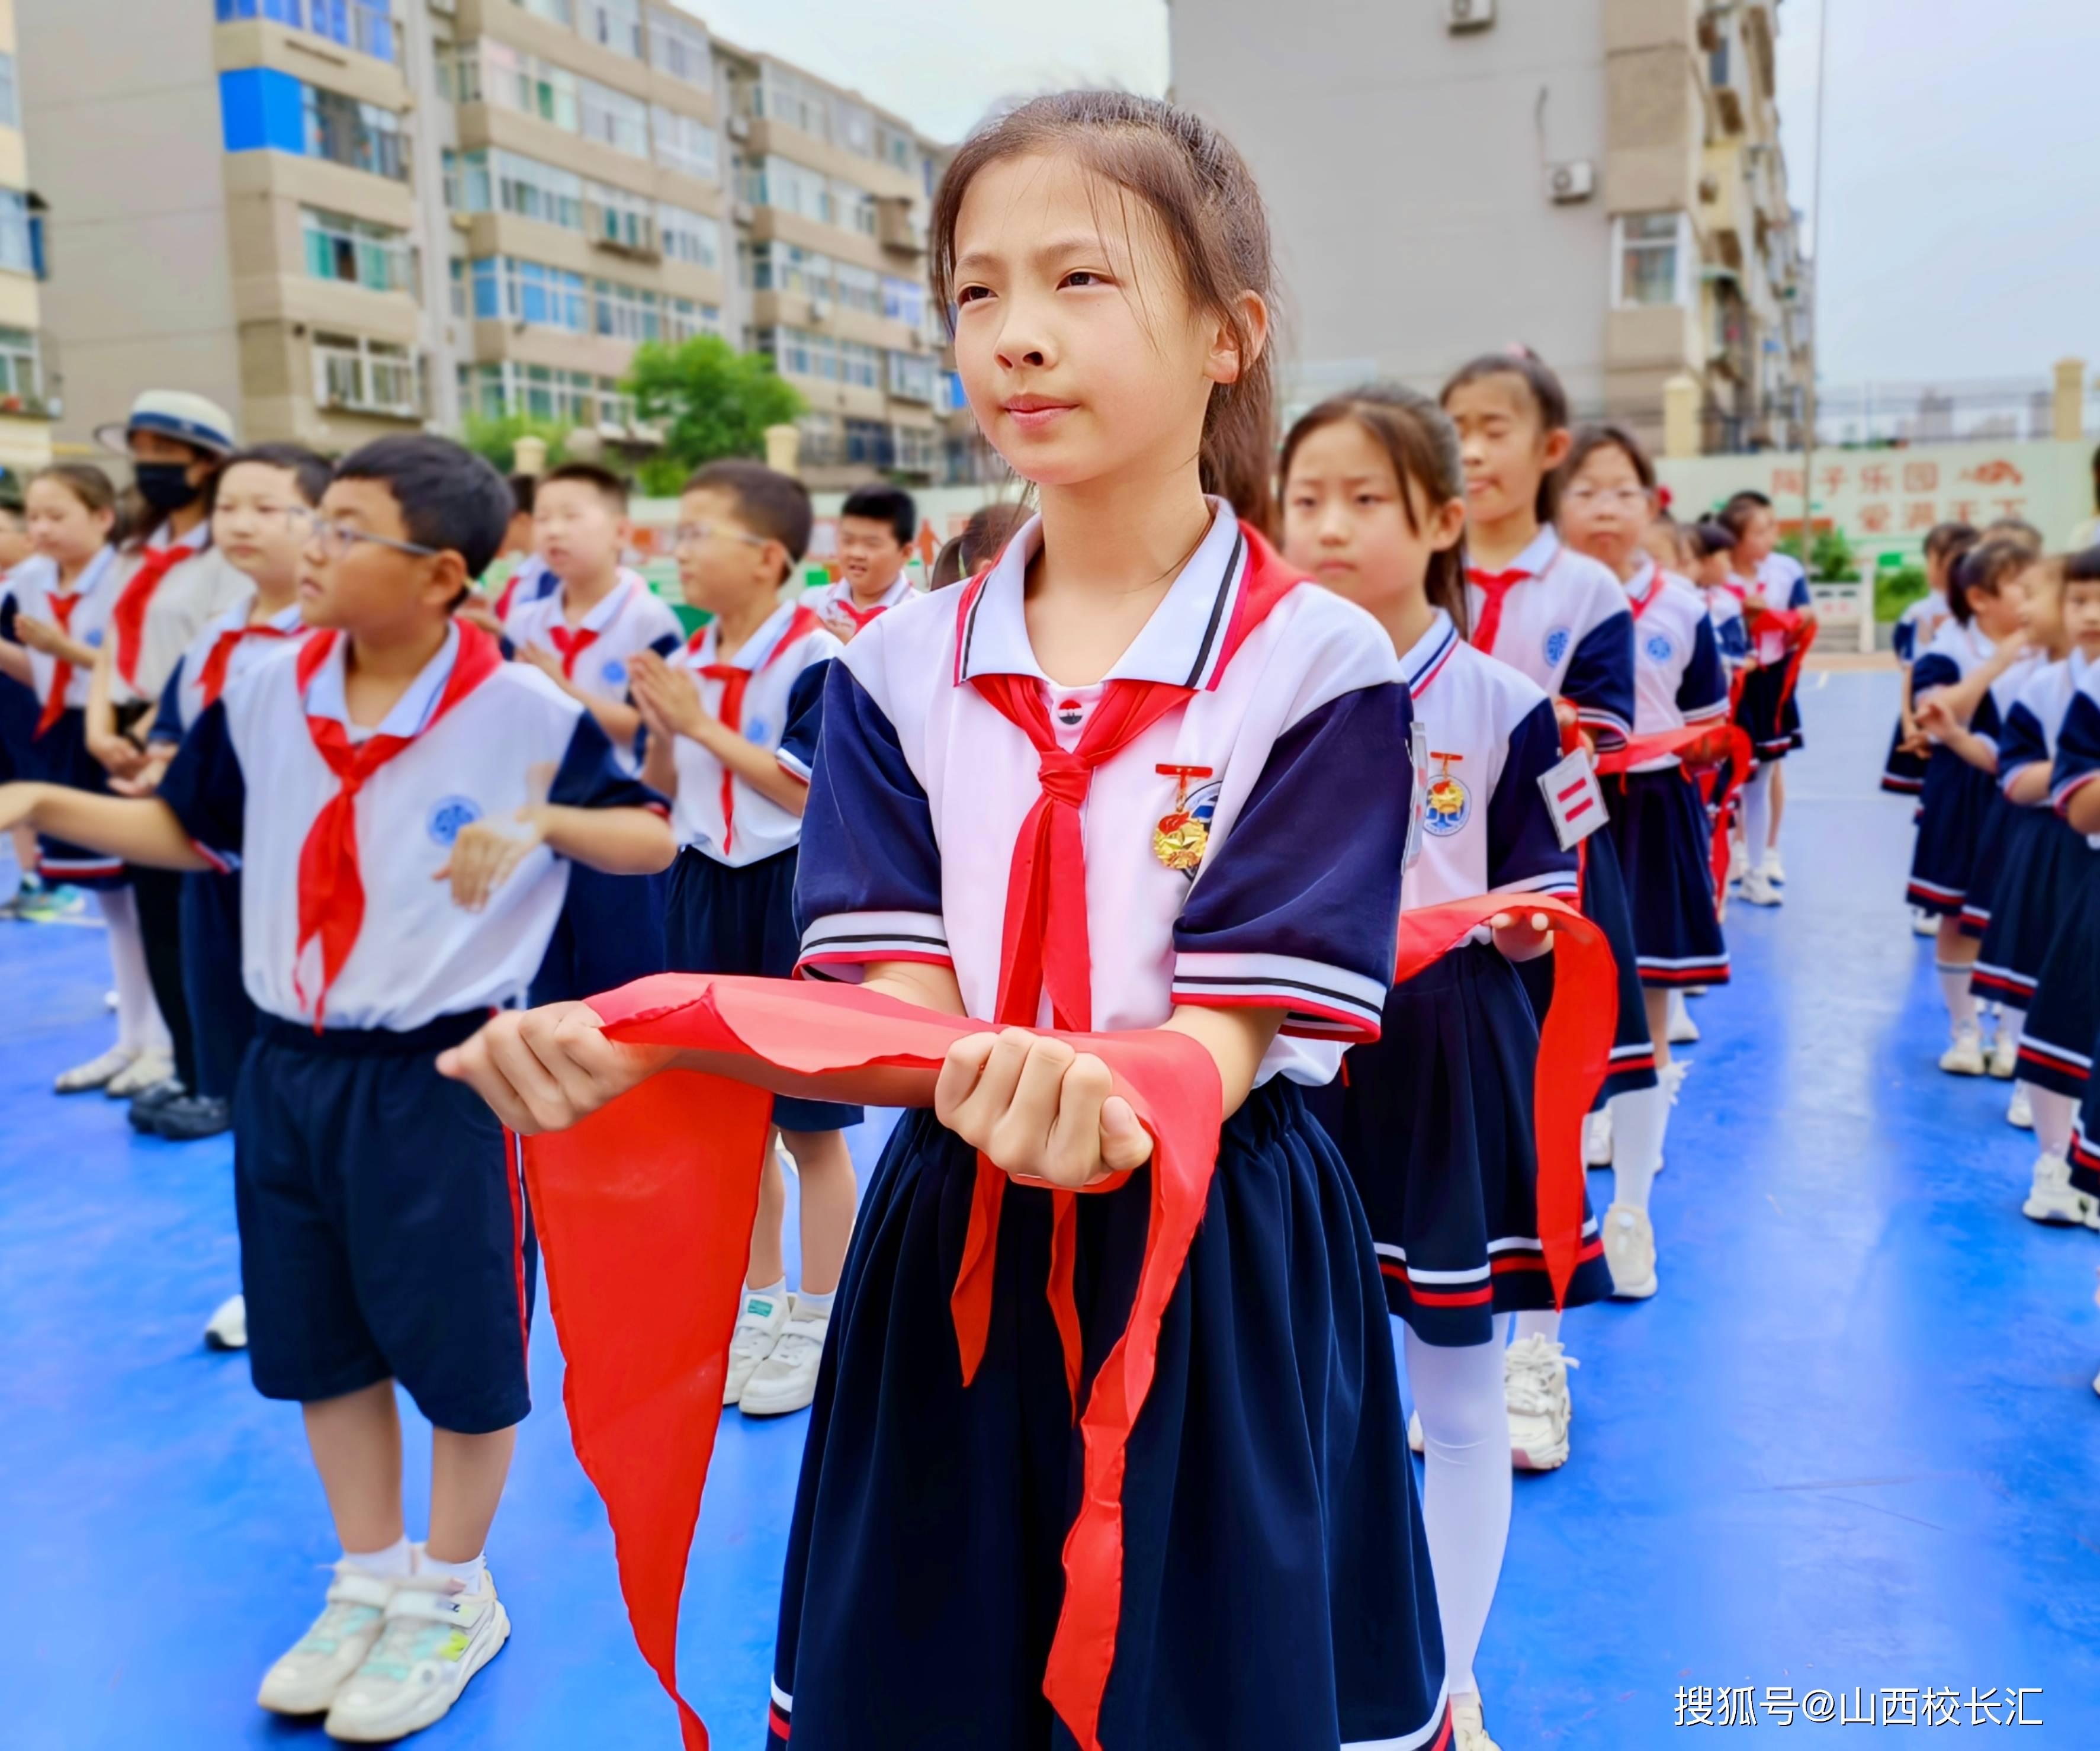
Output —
(1417, 758)
(1574, 798)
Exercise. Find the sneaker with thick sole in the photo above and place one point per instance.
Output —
(434, 1640)
(787, 1380)
(1759, 889)
(1629, 1252)
(1924, 923)
(227, 1327)
(1772, 869)
(1535, 1384)
(1597, 1139)
(305, 1680)
(190, 1118)
(1964, 1056)
(147, 1105)
(147, 1070)
(758, 1328)
(2053, 1199)
(52, 905)
(2020, 1110)
(97, 1072)
(2006, 1052)
(1468, 1731)
(1672, 1077)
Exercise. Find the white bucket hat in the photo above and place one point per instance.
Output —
(173, 413)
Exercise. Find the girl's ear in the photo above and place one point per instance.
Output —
(1228, 360)
(1559, 442)
(1447, 525)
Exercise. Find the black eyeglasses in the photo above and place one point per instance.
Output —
(336, 539)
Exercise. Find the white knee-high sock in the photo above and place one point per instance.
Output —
(1954, 987)
(1640, 1122)
(1541, 1322)
(140, 1028)
(1757, 814)
(2053, 1114)
(1466, 1492)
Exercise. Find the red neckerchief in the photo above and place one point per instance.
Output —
(211, 678)
(62, 609)
(1494, 585)
(569, 644)
(331, 889)
(859, 616)
(1642, 604)
(128, 616)
(734, 681)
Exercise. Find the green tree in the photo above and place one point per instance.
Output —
(496, 438)
(712, 400)
(1832, 560)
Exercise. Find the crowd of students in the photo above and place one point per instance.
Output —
(1128, 766)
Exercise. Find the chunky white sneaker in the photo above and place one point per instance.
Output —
(758, 1328)
(433, 1641)
(1630, 1251)
(1772, 868)
(1535, 1384)
(1739, 865)
(787, 1380)
(1964, 1056)
(147, 1070)
(227, 1327)
(1673, 1077)
(1597, 1139)
(1467, 1732)
(1415, 1444)
(2020, 1110)
(97, 1072)
(1684, 1030)
(2005, 1051)
(2053, 1199)
(305, 1681)
(1758, 890)
(1923, 923)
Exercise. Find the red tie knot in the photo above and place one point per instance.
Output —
(1065, 778)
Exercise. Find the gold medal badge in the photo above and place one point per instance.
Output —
(1180, 838)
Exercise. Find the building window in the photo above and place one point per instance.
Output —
(355, 252)
(692, 238)
(21, 372)
(683, 318)
(870, 443)
(678, 46)
(364, 136)
(366, 376)
(614, 25)
(1652, 258)
(626, 313)
(495, 73)
(853, 208)
(893, 146)
(505, 289)
(782, 95)
(627, 221)
(555, 11)
(853, 127)
(458, 283)
(613, 118)
(904, 301)
(911, 376)
(576, 397)
(685, 145)
(366, 25)
(18, 250)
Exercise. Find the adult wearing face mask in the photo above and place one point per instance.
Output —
(169, 581)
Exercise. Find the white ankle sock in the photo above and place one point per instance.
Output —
(2053, 1113)
(471, 1576)
(775, 1292)
(1954, 987)
(1640, 1122)
(819, 1305)
(1544, 1322)
(397, 1559)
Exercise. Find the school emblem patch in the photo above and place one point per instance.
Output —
(613, 673)
(1659, 649)
(1447, 805)
(755, 731)
(1556, 645)
(1184, 833)
(447, 816)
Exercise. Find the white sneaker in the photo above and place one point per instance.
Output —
(1673, 1077)
(2020, 1110)
(1683, 1030)
(787, 1380)
(1772, 868)
(97, 1072)
(1964, 1056)
(1467, 1732)
(1758, 890)
(1738, 865)
(2005, 1051)
(306, 1680)
(433, 1641)
(1535, 1385)
(147, 1070)
(1923, 923)
(1597, 1139)
(1415, 1444)
(2053, 1199)
(1630, 1251)
(227, 1328)
(758, 1328)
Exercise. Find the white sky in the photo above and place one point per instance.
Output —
(1963, 180)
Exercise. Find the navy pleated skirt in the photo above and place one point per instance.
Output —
(2001, 829)
(1605, 902)
(1435, 1121)
(2047, 868)
(1276, 1587)
(2085, 1144)
(1662, 833)
(60, 756)
(1902, 774)
(1952, 811)
(2063, 1018)
(1771, 722)
(18, 729)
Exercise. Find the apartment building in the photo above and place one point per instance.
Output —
(27, 397)
(1601, 180)
(368, 215)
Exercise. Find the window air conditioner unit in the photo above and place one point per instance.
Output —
(820, 310)
(1574, 181)
(739, 127)
(1468, 15)
(743, 213)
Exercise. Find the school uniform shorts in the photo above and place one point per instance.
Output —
(384, 1227)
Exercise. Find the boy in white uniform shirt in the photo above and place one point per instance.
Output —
(876, 527)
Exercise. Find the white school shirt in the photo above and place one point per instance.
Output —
(182, 702)
(1954, 652)
(1565, 628)
(834, 605)
(1784, 585)
(1724, 608)
(1918, 625)
(202, 586)
(34, 583)
(1678, 678)
(249, 783)
(1291, 752)
(2034, 720)
(1488, 732)
(780, 714)
(630, 618)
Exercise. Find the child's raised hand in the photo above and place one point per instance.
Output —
(544, 1069)
(38, 634)
(1038, 1108)
(545, 661)
(1521, 939)
(484, 856)
(672, 696)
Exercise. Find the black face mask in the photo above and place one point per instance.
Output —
(165, 486)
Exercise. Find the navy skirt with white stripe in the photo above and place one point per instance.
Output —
(1435, 1121)
(1952, 809)
(2085, 1144)
(1605, 902)
(2063, 1019)
(1276, 1581)
(1661, 831)
(60, 756)
(2045, 867)
(1903, 773)
(2001, 827)
(1773, 723)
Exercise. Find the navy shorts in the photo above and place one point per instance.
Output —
(384, 1227)
(725, 919)
(221, 1016)
(610, 933)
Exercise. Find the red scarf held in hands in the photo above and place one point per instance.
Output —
(331, 887)
(211, 678)
(128, 616)
(55, 705)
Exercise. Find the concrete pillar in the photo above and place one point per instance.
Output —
(529, 456)
(784, 449)
(1680, 415)
(2069, 423)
